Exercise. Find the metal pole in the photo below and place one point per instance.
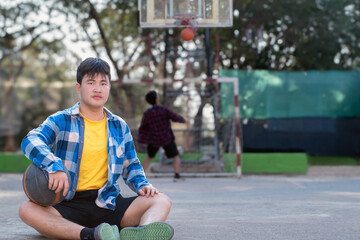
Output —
(209, 75)
(208, 53)
(166, 52)
(237, 124)
(235, 82)
(187, 75)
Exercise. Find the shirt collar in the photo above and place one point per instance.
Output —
(74, 111)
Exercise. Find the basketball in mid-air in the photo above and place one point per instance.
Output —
(36, 187)
(187, 34)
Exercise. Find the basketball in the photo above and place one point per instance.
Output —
(36, 187)
(187, 34)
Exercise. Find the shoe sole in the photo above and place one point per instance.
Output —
(106, 232)
(152, 231)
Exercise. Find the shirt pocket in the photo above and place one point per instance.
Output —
(117, 145)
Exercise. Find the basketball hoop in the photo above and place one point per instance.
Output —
(188, 20)
(180, 13)
(185, 19)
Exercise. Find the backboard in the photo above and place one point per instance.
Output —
(180, 13)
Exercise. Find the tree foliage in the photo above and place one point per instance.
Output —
(292, 35)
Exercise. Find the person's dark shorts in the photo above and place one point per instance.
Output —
(170, 150)
(83, 210)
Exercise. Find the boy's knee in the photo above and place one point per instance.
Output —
(24, 210)
(164, 199)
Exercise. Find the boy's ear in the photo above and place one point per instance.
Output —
(77, 86)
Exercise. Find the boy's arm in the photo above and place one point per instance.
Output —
(38, 146)
(175, 117)
(133, 174)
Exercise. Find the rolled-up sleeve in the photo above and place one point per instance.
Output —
(133, 174)
(39, 145)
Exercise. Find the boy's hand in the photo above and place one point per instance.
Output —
(148, 191)
(58, 181)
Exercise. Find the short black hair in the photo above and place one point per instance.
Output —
(91, 67)
(150, 97)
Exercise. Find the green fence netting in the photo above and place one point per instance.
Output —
(274, 94)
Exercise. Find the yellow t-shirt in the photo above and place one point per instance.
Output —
(94, 160)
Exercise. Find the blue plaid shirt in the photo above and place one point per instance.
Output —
(59, 141)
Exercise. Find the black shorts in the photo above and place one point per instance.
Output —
(83, 210)
(170, 150)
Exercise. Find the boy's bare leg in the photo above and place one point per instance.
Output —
(146, 163)
(177, 164)
(144, 210)
(48, 221)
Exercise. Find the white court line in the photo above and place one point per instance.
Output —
(296, 184)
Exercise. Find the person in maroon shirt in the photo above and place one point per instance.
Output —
(155, 131)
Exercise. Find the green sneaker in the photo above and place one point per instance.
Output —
(116, 232)
(152, 231)
(106, 232)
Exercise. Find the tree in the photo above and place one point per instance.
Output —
(15, 43)
(292, 35)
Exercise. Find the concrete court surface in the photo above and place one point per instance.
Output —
(322, 204)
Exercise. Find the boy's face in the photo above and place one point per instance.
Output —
(94, 90)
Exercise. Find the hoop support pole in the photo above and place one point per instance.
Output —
(235, 83)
